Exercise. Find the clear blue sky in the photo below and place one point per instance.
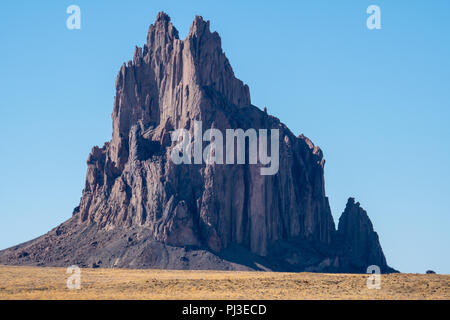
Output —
(377, 102)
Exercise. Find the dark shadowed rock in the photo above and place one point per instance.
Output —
(360, 246)
(140, 210)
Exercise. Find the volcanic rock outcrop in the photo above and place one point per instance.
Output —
(358, 241)
(141, 210)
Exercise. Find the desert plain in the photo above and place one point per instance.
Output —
(51, 283)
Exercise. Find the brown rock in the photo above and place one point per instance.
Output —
(131, 180)
(212, 216)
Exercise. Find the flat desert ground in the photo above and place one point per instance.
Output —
(51, 283)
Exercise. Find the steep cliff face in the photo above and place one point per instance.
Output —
(222, 212)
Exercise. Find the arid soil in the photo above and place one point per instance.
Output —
(51, 283)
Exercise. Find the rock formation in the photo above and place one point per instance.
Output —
(139, 209)
(359, 243)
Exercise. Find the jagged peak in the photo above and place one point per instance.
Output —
(162, 16)
(352, 203)
(350, 200)
(137, 56)
(353, 210)
(199, 26)
(162, 31)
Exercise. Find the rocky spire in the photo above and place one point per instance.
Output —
(173, 84)
(165, 80)
(212, 66)
(161, 33)
(360, 243)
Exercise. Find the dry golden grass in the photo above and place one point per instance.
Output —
(50, 283)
